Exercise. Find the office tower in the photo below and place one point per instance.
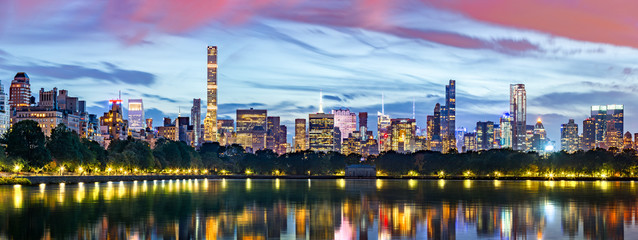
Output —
(210, 122)
(460, 138)
(506, 130)
(346, 121)
(484, 135)
(363, 123)
(66, 103)
(226, 129)
(539, 139)
(149, 123)
(383, 131)
(403, 132)
(627, 143)
(183, 133)
(518, 111)
(604, 115)
(48, 99)
(251, 128)
(112, 125)
(5, 112)
(448, 117)
(569, 136)
(135, 115)
(300, 134)
(167, 122)
(20, 91)
(273, 133)
(321, 132)
(470, 144)
(283, 140)
(636, 141)
(82, 106)
(589, 134)
(196, 120)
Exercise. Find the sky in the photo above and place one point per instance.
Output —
(278, 55)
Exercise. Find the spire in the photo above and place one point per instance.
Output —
(179, 111)
(321, 101)
(119, 95)
(382, 104)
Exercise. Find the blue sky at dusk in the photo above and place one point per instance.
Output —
(278, 54)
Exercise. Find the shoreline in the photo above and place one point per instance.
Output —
(35, 180)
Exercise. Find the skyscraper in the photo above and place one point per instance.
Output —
(539, 139)
(449, 140)
(210, 122)
(135, 115)
(251, 128)
(20, 91)
(589, 134)
(518, 111)
(112, 126)
(569, 136)
(363, 124)
(196, 120)
(346, 121)
(383, 131)
(5, 113)
(403, 132)
(300, 134)
(321, 132)
(484, 135)
(505, 123)
(603, 115)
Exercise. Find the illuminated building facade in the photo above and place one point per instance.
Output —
(470, 144)
(627, 142)
(434, 129)
(112, 125)
(518, 111)
(48, 99)
(403, 132)
(46, 119)
(506, 130)
(196, 121)
(5, 112)
(210, 122)
(20, 91)
(346, 121)
(569, 136)
(226, 128)
(301, 135)
(605, 115)
(539, 139)
(448, 124)
(321, 132)
(589, 134)
(363, 124)
(383, 131)
(484, 135)
(275, 135)
(135, 115)
(251, 128)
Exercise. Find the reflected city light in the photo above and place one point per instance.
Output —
(379, 183)
(467, 184)
(412, 183)
(341, 183)
(441, 183)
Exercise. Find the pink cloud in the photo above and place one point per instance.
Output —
(609, 21)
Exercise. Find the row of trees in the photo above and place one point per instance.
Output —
(27, 149)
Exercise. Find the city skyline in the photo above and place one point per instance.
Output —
(273, 61)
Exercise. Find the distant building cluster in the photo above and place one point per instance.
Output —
(340, 130)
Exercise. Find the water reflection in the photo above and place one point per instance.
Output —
(349, 209)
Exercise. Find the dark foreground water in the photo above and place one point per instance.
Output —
(321, 209)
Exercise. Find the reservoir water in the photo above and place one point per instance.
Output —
(321, 209)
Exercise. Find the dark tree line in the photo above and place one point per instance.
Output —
(28, 148)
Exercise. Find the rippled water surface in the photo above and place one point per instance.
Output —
(321, 209)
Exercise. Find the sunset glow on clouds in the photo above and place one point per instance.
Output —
(277, 54)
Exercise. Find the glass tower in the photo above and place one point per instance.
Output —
(210, 122)
(518, 111)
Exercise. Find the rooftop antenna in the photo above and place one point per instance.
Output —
(413, 108)
(119, 95)
(321, 101)
(179, 111)
(382, 104)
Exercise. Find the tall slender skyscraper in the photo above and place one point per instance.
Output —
(20, 91)
(210, 122)
(450, 116)
(196, 120)
(135, 115)
(518, 110)
(301, 135)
